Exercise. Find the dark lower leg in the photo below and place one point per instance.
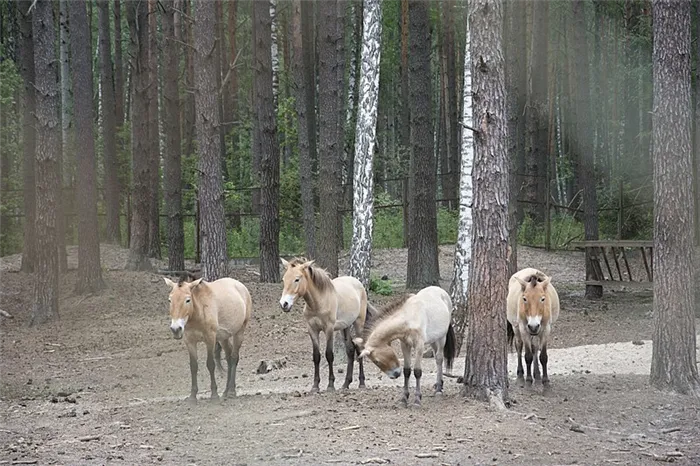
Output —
(317, 362)
(212, 372)
(231, 380)
(350, 353)
(406, 377)
(439, 360)
(193, 372)
(528, 363)
(329, 358)
(543, 360)
(418, 373)
(536, 365)
(519, 348)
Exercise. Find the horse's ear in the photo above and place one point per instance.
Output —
(365, 352)
(522, 282)
(545, 282)
(169, 282)
(307, 264)
(196, 282)
(358, 341)
(285, 264)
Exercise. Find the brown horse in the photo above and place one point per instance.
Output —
(415, 320)
(216, 313)
(532, 309)
(330, 305)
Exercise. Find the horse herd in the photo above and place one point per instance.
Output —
(217, 313)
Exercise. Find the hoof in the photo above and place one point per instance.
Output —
(229, 395)
(215, 397)
(438, 393)
(314, 390)
(192, 400)
(345, 386)
(417, 402)
(330, 388)
(362, 385)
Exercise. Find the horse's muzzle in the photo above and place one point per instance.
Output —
(394, 374)
(286, 307)
(177, 332)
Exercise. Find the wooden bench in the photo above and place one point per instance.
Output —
(617, 251)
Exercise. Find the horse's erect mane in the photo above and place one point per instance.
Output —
(384, 313)
(186, 277)
(536, 278)
(319, 276)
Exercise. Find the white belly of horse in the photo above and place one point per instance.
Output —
(348, 301)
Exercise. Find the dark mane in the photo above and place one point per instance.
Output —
(384, 313)
(319, 276)
(186, 277)
(536, 278)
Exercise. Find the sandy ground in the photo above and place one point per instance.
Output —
(105, 385)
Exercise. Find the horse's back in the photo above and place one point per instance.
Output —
(352, 301)
(232, 302)
(432, 309)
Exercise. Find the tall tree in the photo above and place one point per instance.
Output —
(136, 14)
(486, 370)
(211, 194)
(26, 67)
(118, 68)
(673, 361)
(48, 142)
(188, 112)
(423, 269)
(537, 142)
(329, 34)
(173, 156)
(451, 105)
(305, 115)
(232, 108)
(66, 146)
(109, 126)
(89, 269)
(516, 83)
(366, 135)
(266, 144)
(583, 140)
(459, 290)
(153, 133)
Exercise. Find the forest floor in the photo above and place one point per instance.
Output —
(106, 384)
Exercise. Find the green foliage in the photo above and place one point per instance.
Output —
(381, 287)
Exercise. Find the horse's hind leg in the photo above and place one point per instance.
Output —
(439, 352)
(232, 350)
(406, 370)
(211, 366)
(317, 359)
(350, 352)
(329, 357)
(417, 371)
(361, 376)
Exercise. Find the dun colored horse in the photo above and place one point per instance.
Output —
(533, 307)
(416, 320)
(330, 305)
(216, 313)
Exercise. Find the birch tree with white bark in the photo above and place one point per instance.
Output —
(366, 135)
(463, 250)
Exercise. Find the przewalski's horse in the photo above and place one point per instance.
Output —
(415, 320)
(532, 309)
(216, 313)
(330, 305)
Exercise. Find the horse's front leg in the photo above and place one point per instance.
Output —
(543, 360)
(350, 353)
(439, 352)
(212, 368)
(329, 358)
(519, 350)
(417, 371)
(192, 350)
(317, 359)
(528, 360)
(536, 366)
(406, 350)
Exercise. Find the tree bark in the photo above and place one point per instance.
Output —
(118, 68)
(486, 370)
(451, 107)
(153, 133)
(29, 124)
(232, 108)
(459, 290)
(48, 145)
(697, 130)
(266, 144)
(329, 153)
(89, 269)
(516, 79)
(66, 145)
(366, 135)
(211, 195)
(274, 51)
(109, 128)
(301, 90)
(136, 13)
(423, 269)
(536, 144)
(173, 156)
(583, 142)
(673, 362)
(188, 112)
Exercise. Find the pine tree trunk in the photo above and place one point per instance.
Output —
(89, 269)
(66, 143)
(329, 150)
(463, 250)
(48, 146)
(211, 195)
(118, 67)
(109, 127)
(697, 130)
(366, 135)
(536, 145)
(423, 269)
(300, 90)
(29, 124)
(266, 144)
(452, 123)
(673, 362)
(153, 133)
(516, 78)
(583, 142)
(136, 13)
(486, 370)
(188, 112)
(233, 77)
(405, 136)
(173, 156)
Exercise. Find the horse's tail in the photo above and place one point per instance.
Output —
(217, 356)
(450, 350)
(511, 334)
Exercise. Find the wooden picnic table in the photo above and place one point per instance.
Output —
(601, 249)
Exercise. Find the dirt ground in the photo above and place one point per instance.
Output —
(106, 384)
